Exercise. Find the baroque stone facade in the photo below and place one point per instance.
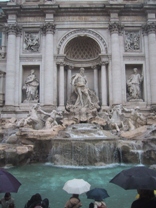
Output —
(45, 42)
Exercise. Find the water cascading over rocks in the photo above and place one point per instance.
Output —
(84, 144)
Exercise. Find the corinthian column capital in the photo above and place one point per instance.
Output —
(13, 29)
(149, 28)
(115, 27)
(48, 28)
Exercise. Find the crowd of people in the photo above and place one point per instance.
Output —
(35, 201)
(145, 199)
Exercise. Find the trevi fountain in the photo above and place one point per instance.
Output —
(77, 82)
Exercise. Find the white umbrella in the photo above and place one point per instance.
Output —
(76, 186)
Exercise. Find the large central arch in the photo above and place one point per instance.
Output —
(82, 48)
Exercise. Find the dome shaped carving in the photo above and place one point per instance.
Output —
(82, 48)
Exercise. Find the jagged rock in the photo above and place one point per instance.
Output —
(13, 139)
(14, 154)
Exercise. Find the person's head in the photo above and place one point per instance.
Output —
(36, 197)
(82, 70)
(135, 70)
(32, 71)
(146, 193)
(7, 196)
(75, 195)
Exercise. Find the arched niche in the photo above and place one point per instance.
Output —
(82, 48)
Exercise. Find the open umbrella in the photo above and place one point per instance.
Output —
(8, 183)
(76, 186)
(98, 194)
(136, 178)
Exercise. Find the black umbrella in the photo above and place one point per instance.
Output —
(98, 194)
(8, 183)
(136, 178)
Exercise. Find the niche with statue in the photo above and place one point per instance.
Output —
(30, 84)
(134, 83)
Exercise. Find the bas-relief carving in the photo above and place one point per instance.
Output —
(132, 41)
(134, 86)
(31, 88)
(31, 42)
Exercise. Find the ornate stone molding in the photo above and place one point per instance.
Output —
(31, 42)
(132, 41)
(60, 60)
(104, 63)
(13, 29)
(48, 28)
(82, 32)
(149, 28)
(115, 27)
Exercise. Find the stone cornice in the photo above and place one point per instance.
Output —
(78, 8)
(11, 9)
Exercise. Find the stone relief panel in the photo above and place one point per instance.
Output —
(132, 41)
(30, 84)
(31, 42)
(134, 83)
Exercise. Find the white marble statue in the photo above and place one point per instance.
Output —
(79, 81)
(33, 119)
(133, 83)
(31, 87)
(136, 118)
(116, 118)
(51, 119)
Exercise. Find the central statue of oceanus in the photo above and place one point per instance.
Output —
(83, 101)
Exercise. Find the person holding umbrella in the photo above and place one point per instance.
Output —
(146, 199)
(98, 194)
(73, 202)
(141, 178)
(6, 201)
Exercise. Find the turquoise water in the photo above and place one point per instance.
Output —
(49, 180)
